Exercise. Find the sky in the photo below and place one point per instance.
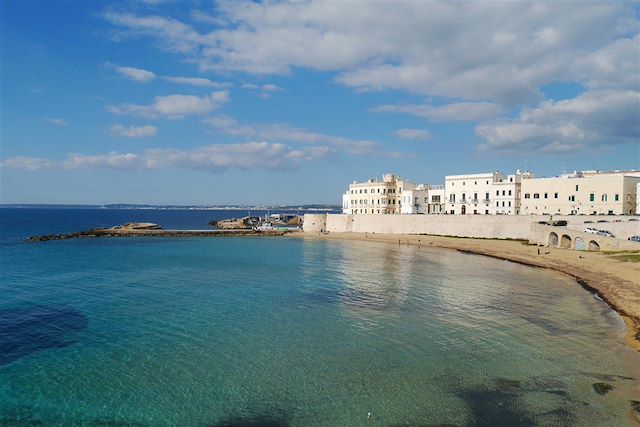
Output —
(238, 102)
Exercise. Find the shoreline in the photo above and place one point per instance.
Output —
(610, 279)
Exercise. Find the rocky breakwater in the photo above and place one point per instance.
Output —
(153, 230)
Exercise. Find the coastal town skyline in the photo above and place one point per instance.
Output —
(212, 103)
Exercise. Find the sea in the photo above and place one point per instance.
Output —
(286, 331)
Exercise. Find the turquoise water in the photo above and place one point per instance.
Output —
(296, 332)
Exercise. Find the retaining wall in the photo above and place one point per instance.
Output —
(488, 226)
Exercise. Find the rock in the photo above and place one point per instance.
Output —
(602, 388)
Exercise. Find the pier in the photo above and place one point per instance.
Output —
(112, 232)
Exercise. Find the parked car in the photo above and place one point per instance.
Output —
(602, 220)
(633, 219)
(560, 223)
(588, 222)
(591, 230)
(543, 222)
(605, 233)
(617, 220)
(634, 239)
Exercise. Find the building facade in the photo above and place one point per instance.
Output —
(392, 195)
(586, 193)
(374, 197)
(484, 193)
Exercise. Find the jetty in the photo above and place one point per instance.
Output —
(154, 230)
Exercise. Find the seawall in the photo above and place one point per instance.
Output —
(524, 227)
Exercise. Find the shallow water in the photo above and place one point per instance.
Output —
(292, 332)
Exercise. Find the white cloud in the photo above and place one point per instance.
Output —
(471, 51)
(264, 91)
(460, 111)
(133, 131)
(281, 132)
(27, 163)
(415, 134)
(56, 122)
(111, 160)
(211, 158)
(137, 74)
(174, 106)
(196, 81)
(589, 120)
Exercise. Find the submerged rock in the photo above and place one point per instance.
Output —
(602, 388)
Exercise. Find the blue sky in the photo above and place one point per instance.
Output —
(200, 102)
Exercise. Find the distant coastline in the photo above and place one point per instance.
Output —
(309, 207)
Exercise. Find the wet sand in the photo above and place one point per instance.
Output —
(615, 281)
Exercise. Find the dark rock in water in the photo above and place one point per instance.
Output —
(602, 388)
(635, 405)
(24, 331)
(496, 408)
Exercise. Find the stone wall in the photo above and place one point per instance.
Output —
(486, 226)
(568, 238)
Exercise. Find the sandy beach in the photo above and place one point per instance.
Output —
(608, 275)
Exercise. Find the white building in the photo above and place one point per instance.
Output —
(582, 193)
(373, 196)
(484, 193)
(392, 195)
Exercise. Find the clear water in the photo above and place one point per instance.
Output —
(294, 332)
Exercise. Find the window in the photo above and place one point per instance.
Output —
(616, 197)
(572, 198)
(536, 195)
(497, 204)
(464, 197)
(486, 196)
(503, 192)
(463, 182)
(509, 203)
(452, 198)
(592, 197)
(497, 192)
(546, 195)
(577, 188)
(509, 192)
(378, 191)
(510, 179)
(475, 182)
(435, 199)
(360, 191)
(555, 195)
(526, 195)
(487, 182)
(475, 196)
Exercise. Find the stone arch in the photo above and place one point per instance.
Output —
(553, 240)
(594, 246)
(565, 241)
(579, 242)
